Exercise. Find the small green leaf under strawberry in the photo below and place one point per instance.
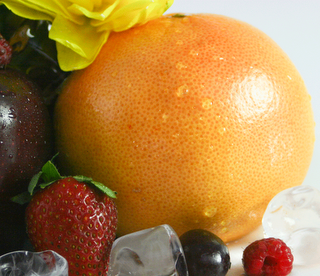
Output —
(73, 217)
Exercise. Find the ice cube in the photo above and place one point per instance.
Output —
(26, 263)
(293, 215)
(305, 246)
(151, 252)
(291, 210)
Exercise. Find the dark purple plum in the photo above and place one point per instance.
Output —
(26, 133)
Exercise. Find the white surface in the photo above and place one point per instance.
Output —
(236, 250)
(295, 26)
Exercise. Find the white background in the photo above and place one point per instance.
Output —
(295, 26)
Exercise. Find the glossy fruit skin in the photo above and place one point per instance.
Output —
(196, 121)
(26, 132)
(267, 257)
(206, 254)
(77, 221)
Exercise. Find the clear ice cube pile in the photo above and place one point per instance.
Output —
(151, 252)
(26, 263)
(293, 215)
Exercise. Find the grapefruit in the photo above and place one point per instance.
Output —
(196, 121)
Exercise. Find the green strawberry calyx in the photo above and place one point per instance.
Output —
(50, 174)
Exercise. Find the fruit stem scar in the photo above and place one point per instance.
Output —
(179, 15)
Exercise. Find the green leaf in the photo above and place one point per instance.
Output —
(50, 172)
(43, 185)
(22, 198)
(82, 178)
(97, 184)
(34, 181)
(104, 189)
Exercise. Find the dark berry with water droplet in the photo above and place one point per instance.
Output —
(206, 254)
(25, 132)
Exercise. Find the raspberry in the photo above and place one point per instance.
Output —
(5, 52)
(267, 257)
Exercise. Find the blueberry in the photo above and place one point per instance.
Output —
(206, 254)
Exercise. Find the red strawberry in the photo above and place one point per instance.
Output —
(74, 218)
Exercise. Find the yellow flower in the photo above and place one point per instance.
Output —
(81, 27)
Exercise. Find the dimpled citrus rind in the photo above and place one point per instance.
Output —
(195, 121)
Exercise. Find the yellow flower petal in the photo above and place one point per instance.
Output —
(81, 27)
(135, 12)
(70, 60)
(98, 15)
(28, 10)
(88, 5)
(84, 41)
